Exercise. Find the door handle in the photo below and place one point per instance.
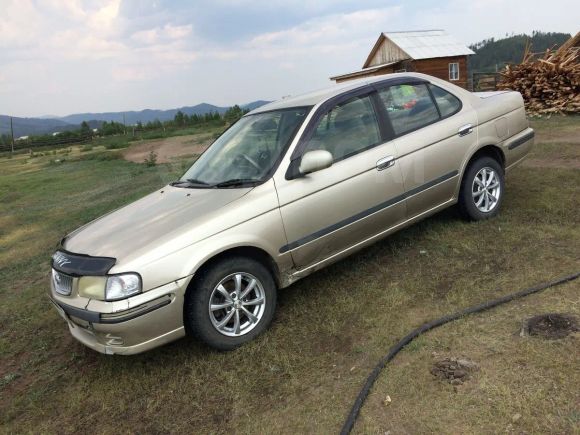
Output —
(385, 162)
(465, 130)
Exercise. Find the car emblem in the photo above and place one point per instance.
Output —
(60, 259)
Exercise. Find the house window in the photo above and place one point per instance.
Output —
(453, 71)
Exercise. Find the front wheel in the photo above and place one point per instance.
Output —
(230, 303)
(482, 189)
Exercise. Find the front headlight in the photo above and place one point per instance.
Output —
(122, 286)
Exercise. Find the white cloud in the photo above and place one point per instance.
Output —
(335, 35)
(20, 24)
(177, 32)
(328, 30)
(166, 33)
(150, 54)
(147, 37)
(105, 17)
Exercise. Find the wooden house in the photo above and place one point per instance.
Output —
(432, 52)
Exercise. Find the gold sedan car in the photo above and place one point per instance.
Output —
(288, 189)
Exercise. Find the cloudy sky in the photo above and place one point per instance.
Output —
(66, 56)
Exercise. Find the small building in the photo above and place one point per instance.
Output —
(432, 52)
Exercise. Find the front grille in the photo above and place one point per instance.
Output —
(62, 283)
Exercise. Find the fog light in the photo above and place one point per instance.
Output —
(92, 287)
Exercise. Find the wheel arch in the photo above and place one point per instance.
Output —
(249, 251)
(493, 151)
(490, 150)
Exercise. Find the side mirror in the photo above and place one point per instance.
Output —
(314, 161)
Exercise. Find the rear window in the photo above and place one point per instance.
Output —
(447, 102)
(409, 107)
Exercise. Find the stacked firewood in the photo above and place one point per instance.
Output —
(549, 83)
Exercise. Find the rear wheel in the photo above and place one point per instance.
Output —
(482, 189)
(231, 302)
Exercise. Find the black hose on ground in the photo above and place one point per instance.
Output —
(394, 350)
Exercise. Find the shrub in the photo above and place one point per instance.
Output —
(151, 160)
(102, 156)
(115, 143)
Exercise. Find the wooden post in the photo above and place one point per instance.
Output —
(12, 134)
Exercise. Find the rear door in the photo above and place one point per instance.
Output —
(433, 130)
(360, 195)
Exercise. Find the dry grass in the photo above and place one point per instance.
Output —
(302, 375)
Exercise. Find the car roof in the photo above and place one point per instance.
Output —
(321, 95)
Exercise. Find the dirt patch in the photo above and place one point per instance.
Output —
(454, 370)
(556, 163)
(564, 135)
(552, 326)
(168, 148)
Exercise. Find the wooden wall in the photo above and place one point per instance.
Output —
(439, 67)
(386, 52)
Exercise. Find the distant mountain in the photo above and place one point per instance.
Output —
(47, 125)
(132, 117)
(33, 126)
(492, 54)
(255, 104)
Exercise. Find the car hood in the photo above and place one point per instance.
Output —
(156, 220)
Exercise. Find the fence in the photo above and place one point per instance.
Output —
(484, 81)
(9, 144)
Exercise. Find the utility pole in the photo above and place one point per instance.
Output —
(12, 134)
(124, 125)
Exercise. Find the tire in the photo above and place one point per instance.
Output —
(474, 194)
(204, 322)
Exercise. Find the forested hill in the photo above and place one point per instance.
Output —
(490, 53)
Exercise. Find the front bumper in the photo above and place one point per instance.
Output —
(126, 327)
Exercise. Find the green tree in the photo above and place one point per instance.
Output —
(86, 130)
(496, 53)
(234, 113)
(179, 118)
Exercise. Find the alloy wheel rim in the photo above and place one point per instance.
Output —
(486, 190)
(237, 304)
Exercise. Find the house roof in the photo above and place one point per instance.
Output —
(364, 71)
(422, 44)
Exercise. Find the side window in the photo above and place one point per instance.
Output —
(448, 103)
(453, 71)
(346, 129)
(409, 107)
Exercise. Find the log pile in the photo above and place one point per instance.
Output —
(549, 84)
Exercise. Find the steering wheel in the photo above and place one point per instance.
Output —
(251, 161)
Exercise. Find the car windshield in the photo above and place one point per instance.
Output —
(246, 152)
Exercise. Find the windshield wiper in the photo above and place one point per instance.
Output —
(190, 182)
(237, 182)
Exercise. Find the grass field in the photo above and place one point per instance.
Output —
(330, 328)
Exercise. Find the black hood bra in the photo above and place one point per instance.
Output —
(81, 265)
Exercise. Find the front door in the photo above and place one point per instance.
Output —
(360, 195)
